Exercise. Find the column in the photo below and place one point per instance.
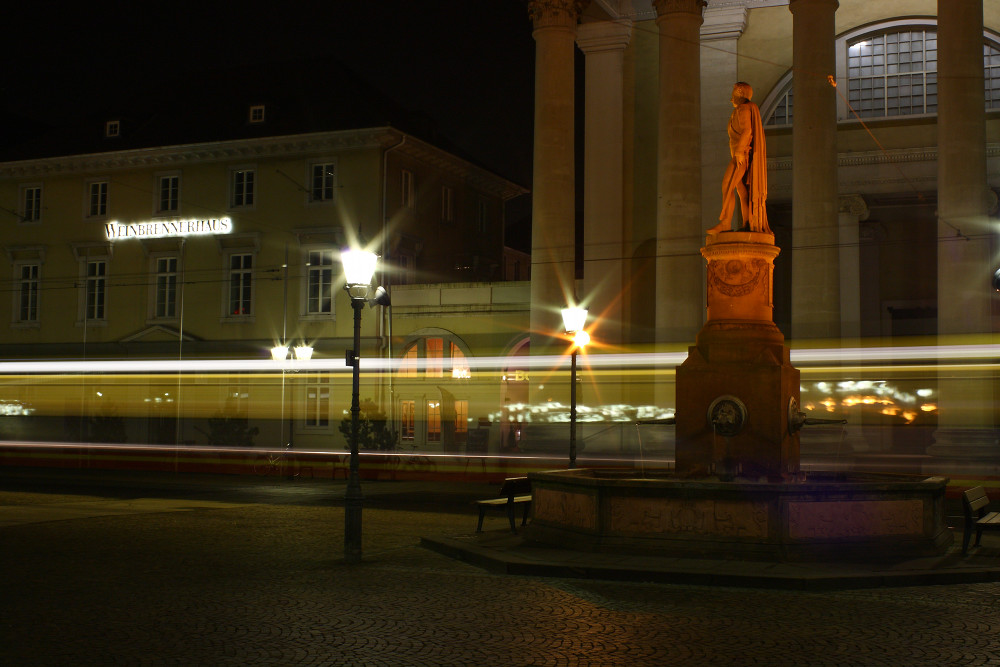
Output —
(815, 231)
(553, 182)
(719, 71)
(967, 409)
(604, 44)
(680, 310)
(852, 209)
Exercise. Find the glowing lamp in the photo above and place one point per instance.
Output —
(303, 352)
(279, 352)
(574, 319)
(359, 266)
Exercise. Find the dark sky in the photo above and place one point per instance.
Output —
(468, 64)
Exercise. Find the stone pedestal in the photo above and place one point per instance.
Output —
(737, 388)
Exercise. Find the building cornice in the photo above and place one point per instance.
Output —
(215, 151)
(891, 156)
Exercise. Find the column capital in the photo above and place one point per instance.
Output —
(604, 35)
(724, 22)
(664, 7)
(854, 205)
(799, 4)
(556, 13)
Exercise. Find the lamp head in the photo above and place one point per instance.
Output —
(381, 298)
(574, 319)
(359, 266)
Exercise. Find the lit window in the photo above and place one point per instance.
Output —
(408, 364)
(433, 421)
(98, 206)
(319, 297)
(28, 293)
(31, 203)
(240, 284)
(324, 181)
(434, 351)
(165, 304)
(459, 365)
(112, 128)
(461, 420)
(169, 190)
(243, 188)
(257, 113)
(406, 419)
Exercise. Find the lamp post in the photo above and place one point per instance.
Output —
(359, 267)
(574, 320)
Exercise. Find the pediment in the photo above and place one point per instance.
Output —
(157, 333)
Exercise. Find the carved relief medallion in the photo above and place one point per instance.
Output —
(737, 277)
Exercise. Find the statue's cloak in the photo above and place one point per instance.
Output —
(756, 175)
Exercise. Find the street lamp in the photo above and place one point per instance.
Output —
(359, 267)
(574, 319)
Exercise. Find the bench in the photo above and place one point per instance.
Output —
(515, 491)
(974, 502)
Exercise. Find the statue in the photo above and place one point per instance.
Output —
(747, 171)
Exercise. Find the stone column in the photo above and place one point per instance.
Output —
(680, 310)
(815, 232)
(967, 407)
(604, 45)
(553, 182)
(719, 71)
(852, 209)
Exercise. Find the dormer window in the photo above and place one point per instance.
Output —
(112, 128)
(257, 113)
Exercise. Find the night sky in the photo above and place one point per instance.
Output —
(465, 64)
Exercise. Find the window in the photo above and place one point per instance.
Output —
(169, 194)
(447, 203)
(324, 181)
(406, 189)
(433, 421)
(319, 294)
(461, 420)
(96, 289)
(435, 350)
(893, 74)
(98, 199)
(257, 113)
(31, 203)
(28, 293)
(317, 404)
(482, 219)
(240, 284)
(242, 188)
(112, 128)
(408, 364)
(165, 301)
(406, 420)
(889, 72)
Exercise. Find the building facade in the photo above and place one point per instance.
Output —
(223, 250)
(883, 142)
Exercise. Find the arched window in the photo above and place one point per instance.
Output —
(437, 356)
(890, 71)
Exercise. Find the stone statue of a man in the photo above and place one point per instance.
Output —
(747, 171)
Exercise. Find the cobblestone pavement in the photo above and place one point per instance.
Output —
(178, 582)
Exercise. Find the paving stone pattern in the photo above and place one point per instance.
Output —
(265, 584)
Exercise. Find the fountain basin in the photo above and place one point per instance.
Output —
(823, 517)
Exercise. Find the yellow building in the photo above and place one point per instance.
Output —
(223, 250)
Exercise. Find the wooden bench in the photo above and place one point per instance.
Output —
(515, 491)
(974, 502)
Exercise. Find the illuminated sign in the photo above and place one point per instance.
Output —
(156, 229)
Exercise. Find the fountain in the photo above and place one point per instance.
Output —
(738, 490)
